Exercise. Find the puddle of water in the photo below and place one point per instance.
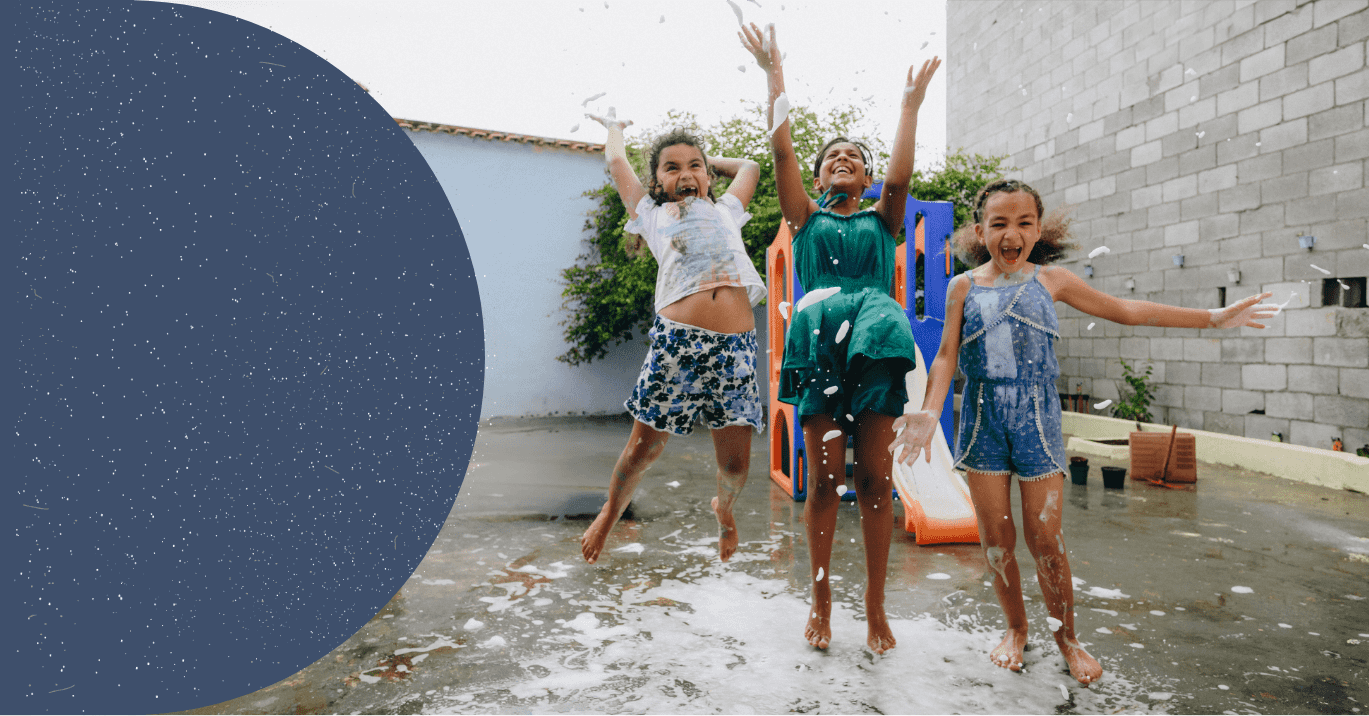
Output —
(713, 638)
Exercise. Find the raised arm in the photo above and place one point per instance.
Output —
(914, 431)
(795, 203)
(893, 198)
(744, 174)
(1065, 286)
(630, 188)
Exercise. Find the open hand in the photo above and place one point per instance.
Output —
(764, 49)
(913, 436)
(1247, 312)
(611, 121)
(916, 89)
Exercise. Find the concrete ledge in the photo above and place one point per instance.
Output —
(1341, 470)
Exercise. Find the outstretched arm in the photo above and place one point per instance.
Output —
(744, 174)
(795, 203)
(914, 431)
(630, 188)
(1069, 288)
(893, 198)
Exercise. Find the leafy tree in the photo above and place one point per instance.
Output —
(608, 292)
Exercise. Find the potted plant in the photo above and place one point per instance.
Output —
(1135, 406)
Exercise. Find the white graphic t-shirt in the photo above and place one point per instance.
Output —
(698, 245)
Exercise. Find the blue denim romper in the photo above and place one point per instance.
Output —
(1010, 413)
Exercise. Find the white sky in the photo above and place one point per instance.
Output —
(527, 66)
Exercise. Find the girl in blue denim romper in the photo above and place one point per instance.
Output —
(1000, 328)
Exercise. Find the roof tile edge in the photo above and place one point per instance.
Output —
(493, 135)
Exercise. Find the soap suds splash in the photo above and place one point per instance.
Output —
(781, 111)
(649, 650)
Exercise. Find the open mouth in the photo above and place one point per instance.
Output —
(1011, 255)
(684, 191)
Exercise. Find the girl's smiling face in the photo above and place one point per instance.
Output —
(1010, 229)
(682, 173)
(843, 167)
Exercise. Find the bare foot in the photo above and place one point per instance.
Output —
(592, 541)
(727, 533)
(879, 637)
(1008, 653)
(1083, 667)
(818, 631)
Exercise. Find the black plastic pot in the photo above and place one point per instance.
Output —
(1114, 477)
(1079, 470)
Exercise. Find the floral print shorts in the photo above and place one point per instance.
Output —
(692, 373)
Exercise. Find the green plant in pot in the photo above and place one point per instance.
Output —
(1136, 405)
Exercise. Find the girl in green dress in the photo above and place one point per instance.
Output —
(848, 349)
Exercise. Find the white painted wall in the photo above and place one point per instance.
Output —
(522, 212)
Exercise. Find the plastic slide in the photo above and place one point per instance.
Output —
(936, 501)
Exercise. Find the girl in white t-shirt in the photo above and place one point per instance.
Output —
(702, 362)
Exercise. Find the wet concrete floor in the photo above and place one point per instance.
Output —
(1244, 595)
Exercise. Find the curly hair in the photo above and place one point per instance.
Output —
(653, 160)
(864, 153)
(1055, 239)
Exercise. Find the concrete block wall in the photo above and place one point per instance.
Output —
(1221, 130)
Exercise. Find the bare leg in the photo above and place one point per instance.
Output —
(993, 509)
(1041, 501)
(643, 447)
(826, 460)
(732, 445)
(875, 497)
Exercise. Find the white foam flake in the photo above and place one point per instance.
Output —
(1285, 626)
(831, 435)
(1054, 623)
(1160, 696)
(816, 296)
(591, 99)
(841, 332)
(493, 642)
(673, 483)
(1157, 613)
(1091, 325)
(781, 110)
(1099, 251)
(438, 582)
(830, 390)
(784, 309)
(1108, 612)
(1223, 687)
(635, 548)
(1077, 581)
(737, 10)
(841, 489)
(574, 128)
(1242, 590)
(1100, 406)
(1103, 630)
(820, 574)
(938, 575)
(1328, 273)
(1104, 593)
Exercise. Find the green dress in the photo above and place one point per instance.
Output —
(866, 368)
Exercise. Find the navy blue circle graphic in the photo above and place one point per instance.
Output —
(248, 359)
